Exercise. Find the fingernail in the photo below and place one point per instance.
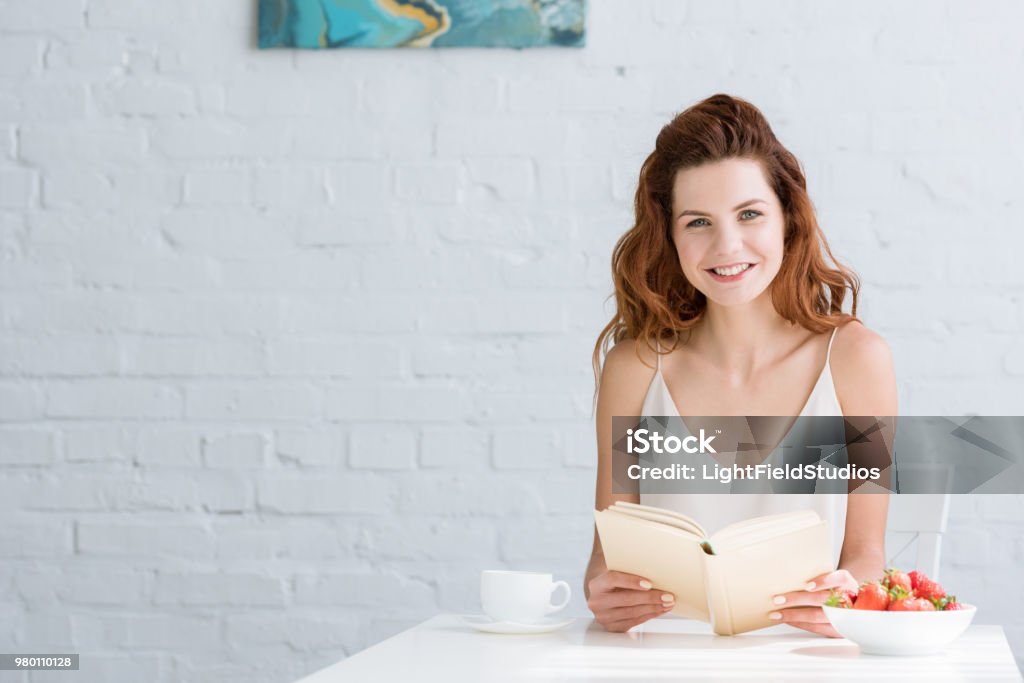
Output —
(645, 584)
(668, 597)
(811, 586)
(775, 615)
(779, 599)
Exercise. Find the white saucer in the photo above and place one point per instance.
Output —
(488, 625)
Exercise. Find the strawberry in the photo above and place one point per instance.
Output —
(930, 590)
(911, 604)
(838, 598)
(915, 578)
(947, 603)
(873, 596)
(894, 578)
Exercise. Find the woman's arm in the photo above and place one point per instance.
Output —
(624, 383)
(864, 543)
(866, 386)
(619, 601)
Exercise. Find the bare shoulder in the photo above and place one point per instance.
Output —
(857, 345)
(628, 370)
(862, 369)
(630, 355)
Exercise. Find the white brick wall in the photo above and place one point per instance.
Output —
(223, 271)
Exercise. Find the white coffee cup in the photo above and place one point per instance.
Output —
(520, 597)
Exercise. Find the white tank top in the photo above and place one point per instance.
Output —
(715, 511)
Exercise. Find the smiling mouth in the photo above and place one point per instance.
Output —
(731, 270)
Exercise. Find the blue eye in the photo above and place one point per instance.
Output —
(693, 224)
(756, 213)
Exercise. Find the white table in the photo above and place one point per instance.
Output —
(444, 649)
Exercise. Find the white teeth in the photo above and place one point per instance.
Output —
(733, 270)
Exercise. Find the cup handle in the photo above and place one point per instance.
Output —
(568, 595)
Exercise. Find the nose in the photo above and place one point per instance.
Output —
(728, 239)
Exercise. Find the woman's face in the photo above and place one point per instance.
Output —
(728, 227)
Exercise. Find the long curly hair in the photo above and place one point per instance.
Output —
(654, 300)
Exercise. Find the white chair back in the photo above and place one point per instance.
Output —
(916, 520)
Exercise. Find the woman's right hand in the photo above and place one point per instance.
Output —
(620, 601)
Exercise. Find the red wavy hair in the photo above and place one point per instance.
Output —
(654, 300)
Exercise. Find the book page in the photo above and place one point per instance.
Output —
(660, 515)
(743, 579)
(767, 526)
(626, 506)
(669, 558)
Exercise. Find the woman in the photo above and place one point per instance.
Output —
(726, 305)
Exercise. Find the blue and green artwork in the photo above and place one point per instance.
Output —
(421, 23)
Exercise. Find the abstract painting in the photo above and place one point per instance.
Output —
(318, 24)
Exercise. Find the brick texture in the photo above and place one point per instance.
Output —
(293, 345)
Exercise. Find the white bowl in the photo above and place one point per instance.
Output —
(900, 633)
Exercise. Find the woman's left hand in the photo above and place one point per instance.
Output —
(802, 609)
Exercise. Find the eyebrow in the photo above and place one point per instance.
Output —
(692, 212)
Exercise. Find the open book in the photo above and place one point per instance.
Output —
(728, 579)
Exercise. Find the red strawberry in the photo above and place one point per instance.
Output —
(837, 598)
(872, 595)
(894, 579)
(915, 578)
(911, 604)
(931, 590)
(947, 603)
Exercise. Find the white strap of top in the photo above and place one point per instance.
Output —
(828, 354)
